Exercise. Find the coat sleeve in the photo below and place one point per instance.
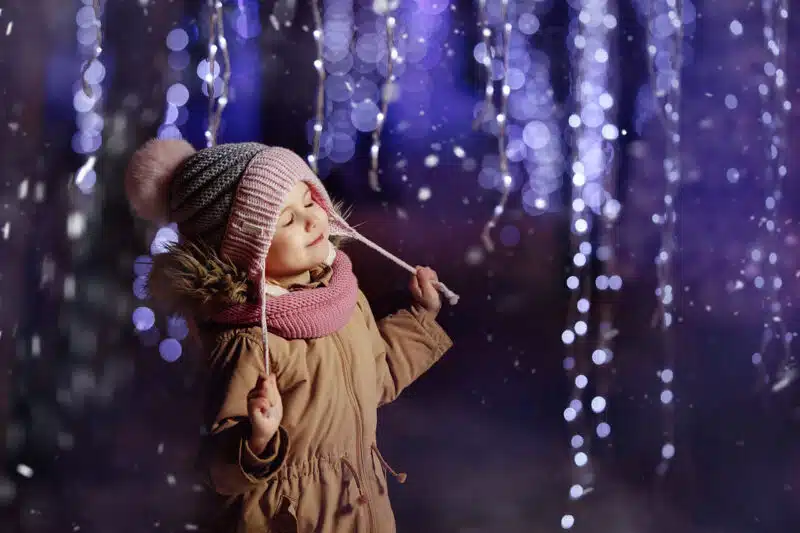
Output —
(406, 344)
(232, 467)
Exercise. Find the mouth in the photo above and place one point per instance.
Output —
(317, 240)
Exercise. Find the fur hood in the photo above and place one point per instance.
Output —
(190, 279)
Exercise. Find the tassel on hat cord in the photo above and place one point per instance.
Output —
(452, 297)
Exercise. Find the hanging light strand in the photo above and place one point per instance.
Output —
(592, 169)
(89, 136)
(608, 282)
(386, 93)
(502, 123)
(319, 66)
(575, 363)
(97, 49)
(774, 117)
(668, 102)
(216, 43)
(486, 38)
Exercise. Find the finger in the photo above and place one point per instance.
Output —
(414, 286)
(430, 292)
(428, 283)
(256, 393)
(427, 274)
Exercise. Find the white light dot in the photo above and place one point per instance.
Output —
(76, 225)
(431, 160)
(668, 451)
(598, 404)
(24, 470)
(666, 396)
(603, 430)
(599, 357)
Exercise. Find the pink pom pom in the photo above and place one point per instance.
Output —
(149, 175)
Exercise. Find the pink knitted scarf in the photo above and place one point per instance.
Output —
(308, 313)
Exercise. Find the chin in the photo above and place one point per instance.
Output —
(318, 256)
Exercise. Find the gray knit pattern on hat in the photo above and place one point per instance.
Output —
(203, 189)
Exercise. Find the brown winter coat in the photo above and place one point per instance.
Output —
(322, 472)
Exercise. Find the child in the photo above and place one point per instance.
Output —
(292, 441)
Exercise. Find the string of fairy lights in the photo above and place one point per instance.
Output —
(488, 55)
(217, 43)
(319, 66)
(665, 60)
(774, 118)
(593, 181)
(501, 118)
(87, 102)
(392, 56)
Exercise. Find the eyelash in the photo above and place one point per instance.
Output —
(291, 219)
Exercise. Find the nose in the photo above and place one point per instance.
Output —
(311, 222)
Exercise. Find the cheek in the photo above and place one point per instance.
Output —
(287, 246)
(321, 215)
(277, 251)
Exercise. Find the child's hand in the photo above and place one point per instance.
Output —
(426, 294)
(265, 409)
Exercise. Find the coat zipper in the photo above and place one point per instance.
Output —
(360, 425)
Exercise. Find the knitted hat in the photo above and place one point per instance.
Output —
(229, 196)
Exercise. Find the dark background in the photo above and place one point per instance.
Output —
(111, 430)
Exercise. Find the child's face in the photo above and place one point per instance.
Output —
(301, 238)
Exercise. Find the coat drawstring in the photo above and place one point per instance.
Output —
(399, 476)
(361, 498)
